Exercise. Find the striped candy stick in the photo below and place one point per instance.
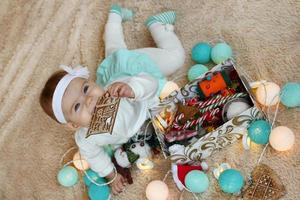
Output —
(208, 102)
(199, 120)
(199, 105)
(222, 101)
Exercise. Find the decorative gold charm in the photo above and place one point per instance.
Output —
(104, 116)
(265, 185)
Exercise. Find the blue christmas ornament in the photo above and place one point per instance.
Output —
(290, 95)
(196, 70)
(231, 181)
(67, 176)
(99, 192)
(259, 131)
(221, 52)
(201, 53)
(196, 181)
(93, 175)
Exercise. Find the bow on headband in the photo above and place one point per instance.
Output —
(78, 71)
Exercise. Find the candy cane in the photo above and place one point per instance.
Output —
(209, 102)
(199, 120)
(221, 101)
(179, 117)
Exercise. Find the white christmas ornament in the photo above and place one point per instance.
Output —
(282, 138)
(157, 190)
(268, 94)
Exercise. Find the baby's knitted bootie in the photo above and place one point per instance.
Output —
(168, 17)
(126, 14)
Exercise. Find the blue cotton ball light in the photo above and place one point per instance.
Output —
(231, 181)
(290, 95)
(196, 181)
(201, 53)
(259, 131)
(99, 192)
(221, 52)
(67, 176)
(196, 71)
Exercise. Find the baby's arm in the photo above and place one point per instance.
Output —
(101, 163)
(140, 87)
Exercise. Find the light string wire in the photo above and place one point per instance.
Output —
(270, 121)
(82, 166)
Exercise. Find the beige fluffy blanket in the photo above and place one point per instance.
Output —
(38, 35)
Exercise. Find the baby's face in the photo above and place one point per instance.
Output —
(79, 101)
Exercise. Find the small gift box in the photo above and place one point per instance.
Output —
(205, 115)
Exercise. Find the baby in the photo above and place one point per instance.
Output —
(136, 76)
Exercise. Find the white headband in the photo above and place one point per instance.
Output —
(61, 87)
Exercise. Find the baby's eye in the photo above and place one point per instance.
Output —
(85, 89)
(77, 107)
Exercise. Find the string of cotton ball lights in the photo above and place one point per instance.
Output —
(68, 176)
(260, 131)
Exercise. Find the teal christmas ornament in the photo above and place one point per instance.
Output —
(259, 131)
(221, 52)
(67, 176)
(99, 192)
(201, 53)
(196, 70)
(196, 181)
(290, 95)
(93, 175)
(231, 181)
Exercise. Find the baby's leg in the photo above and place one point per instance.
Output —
(113, 35)
(170, 54)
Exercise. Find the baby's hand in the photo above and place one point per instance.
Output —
(118, 185)
(119, 89)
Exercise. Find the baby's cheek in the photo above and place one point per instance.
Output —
(86, 118)
(97, 91)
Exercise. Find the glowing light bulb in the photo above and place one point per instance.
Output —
(169, 87)
(157, 190)
(144, 164)
(79, 162)
(282, 138)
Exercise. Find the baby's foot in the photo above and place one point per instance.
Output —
(168, 17)
(126, 14)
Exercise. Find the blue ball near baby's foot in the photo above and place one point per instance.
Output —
(201, 53)
(99, 192)
(67, 176)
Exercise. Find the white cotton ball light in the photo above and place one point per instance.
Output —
(79, 162)
(267, 94)
(282, 138)
(169, 87)
(157, 190)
